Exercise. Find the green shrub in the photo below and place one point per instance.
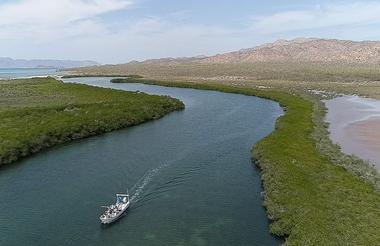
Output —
(39, 113)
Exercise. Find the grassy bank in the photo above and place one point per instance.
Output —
(69, 76)
(311, 200)
(38, 113)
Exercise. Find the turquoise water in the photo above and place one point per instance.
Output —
(11, 73)
(189, 174)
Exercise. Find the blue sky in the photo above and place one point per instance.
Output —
(117, 31)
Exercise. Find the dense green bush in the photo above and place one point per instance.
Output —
(311, 200)
(39, 113)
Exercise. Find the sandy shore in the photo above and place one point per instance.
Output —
(355, 126)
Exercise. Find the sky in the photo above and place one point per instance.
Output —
(119, 31)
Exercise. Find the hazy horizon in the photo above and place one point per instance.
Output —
(119, 31)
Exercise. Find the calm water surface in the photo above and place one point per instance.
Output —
(12, 73)
(189, 174)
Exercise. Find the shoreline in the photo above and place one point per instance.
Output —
(354, 124)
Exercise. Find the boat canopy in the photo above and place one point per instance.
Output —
(122, 198)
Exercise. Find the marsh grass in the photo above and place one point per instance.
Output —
(39, 113)
(68, 76)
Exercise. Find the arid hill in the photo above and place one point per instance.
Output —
(305, 50)
(296, 50)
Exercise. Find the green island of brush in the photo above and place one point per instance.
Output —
(310, 199)
(42, 112)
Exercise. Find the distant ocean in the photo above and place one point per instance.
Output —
(12, 73)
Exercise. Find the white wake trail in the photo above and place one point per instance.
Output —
(138, 188)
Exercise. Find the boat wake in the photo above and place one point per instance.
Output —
(138, 188)
(143, 192)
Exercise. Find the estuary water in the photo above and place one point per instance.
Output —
(354, 124)
(189, 174)
(13, 73)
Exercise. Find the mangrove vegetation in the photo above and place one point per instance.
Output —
(42, 112)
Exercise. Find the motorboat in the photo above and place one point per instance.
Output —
(115, 211)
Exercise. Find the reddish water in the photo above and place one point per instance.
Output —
(355, 126)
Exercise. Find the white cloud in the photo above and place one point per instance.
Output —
(156, 37)
(332, 15)
(146, 26)
(47, 19)
(55, 12)
(75, 29)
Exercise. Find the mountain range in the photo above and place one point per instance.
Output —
(296, 50)
(6, 62)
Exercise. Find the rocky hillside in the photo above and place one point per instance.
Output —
(305, 50)
(171, 61)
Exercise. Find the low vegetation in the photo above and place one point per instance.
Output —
(39, 113)
(311, 72)
(68, 76)
(344, 78)
(311, 200)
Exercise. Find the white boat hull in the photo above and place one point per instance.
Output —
(109, 220)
